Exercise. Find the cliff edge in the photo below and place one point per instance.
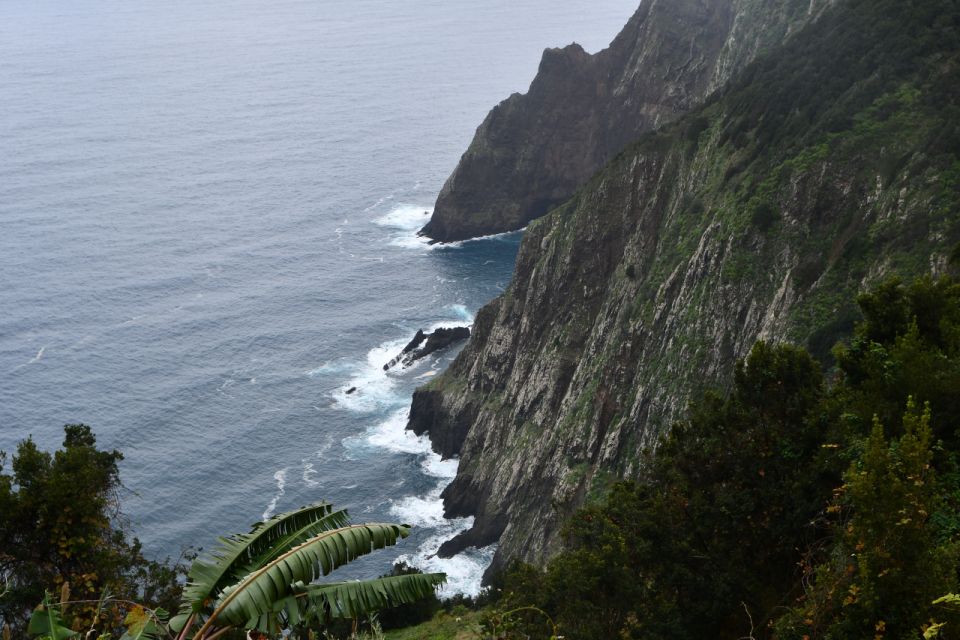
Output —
(759, 215)
(534, 150)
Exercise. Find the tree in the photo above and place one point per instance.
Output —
(264, 580)
(888, 564)
(60, 524)
(907, 345)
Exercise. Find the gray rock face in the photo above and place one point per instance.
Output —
(643, 290)
(439, 339)
(535, 150)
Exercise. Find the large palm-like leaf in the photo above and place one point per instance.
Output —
(240, 554)
(348, 600)
(354, 599)
(256, 593)
(280, 559)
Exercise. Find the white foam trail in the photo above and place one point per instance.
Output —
(378, 203)
(32, 360)
(281, 478)
(308, 473)
(325, 447)
(492, 236)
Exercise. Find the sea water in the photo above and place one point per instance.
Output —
(207, 236)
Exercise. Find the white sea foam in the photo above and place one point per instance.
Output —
(392, 435)
(461, 311)
(378, 203)
(493, 236)
(407, 220)
(405, 216)
(423, 511)
(434, 466)
(375, 389)
(308, 473)
(281, 478)
(465, 570)
(35, 358)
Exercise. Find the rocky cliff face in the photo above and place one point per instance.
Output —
(758, 216)
(534, 150)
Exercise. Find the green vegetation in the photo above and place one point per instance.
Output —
(60, 529)
(265, 580)
(61, 532)
(792, 507)
(458, 624)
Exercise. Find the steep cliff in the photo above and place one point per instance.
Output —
(759, 215)
(534, 150)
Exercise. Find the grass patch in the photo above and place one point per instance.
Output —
(456, 625)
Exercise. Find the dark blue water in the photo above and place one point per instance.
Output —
(206, 236)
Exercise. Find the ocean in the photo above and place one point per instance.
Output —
(207, 236)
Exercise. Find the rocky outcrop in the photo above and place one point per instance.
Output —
(535, 150)
(413, 344)
(439, 339)
(759, 215)
(435, 341)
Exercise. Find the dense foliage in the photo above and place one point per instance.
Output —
(60, 523)
(792, 507)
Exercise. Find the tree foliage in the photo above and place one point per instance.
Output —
(788, 507)
(61, 525)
